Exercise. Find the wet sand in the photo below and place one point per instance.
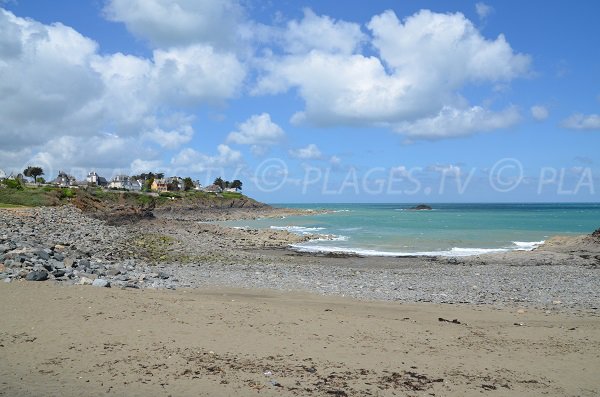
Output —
(79, 340)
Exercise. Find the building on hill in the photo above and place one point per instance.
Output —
(2, 175)
(63, 179)
(96, 180)
(213, 189)
(125, 182)
(159, 185)
(119, 182)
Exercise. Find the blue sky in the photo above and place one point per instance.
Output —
(381, 101)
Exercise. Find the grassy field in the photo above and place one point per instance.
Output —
(31, 197)
(52, 196)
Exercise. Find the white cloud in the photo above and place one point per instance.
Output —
(452, 122)
(57, 90)
(171, 139)
(539, 112)
(192, 160)
(139, 166)
(257, 130)
(45, 86)
(310, 152)
(423, 62)
(322, 33)
(197, 73)
(580, 121)
(483, 10)
(167, 23)
(443, 49)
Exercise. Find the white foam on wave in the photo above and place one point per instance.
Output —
(454, 252)
(527, 245)
(298, 229)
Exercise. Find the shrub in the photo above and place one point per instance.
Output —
(67, 193)
(13, 184)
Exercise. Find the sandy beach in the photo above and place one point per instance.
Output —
(200, 309)
(78, 340)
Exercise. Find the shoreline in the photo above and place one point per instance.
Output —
(169, 253)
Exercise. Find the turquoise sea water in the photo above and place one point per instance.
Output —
(448, 229)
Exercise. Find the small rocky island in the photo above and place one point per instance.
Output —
(421, 207)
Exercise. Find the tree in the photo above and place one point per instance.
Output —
(33, 172)
(236, 184)
(148, 184)
(173, 185)
(188, 184)
(160, 175)
(219, 182)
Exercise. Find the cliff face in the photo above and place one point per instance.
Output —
(124, 207)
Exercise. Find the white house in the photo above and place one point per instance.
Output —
(2, 175)
(119, 182)
(94, 179)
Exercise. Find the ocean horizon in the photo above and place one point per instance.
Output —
(448, 229)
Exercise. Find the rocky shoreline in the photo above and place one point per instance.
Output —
(171, 250)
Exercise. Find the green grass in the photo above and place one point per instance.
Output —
(3, 205)
(231, 195)
(30, 197)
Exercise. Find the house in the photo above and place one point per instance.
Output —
(63, 179)
(232, 190)
(125, 182)
(175, 183)
(2, 175)
(119, 182)
(159, 185)
(213, 189)
(135, 185)
(94, 179)
(197, 186)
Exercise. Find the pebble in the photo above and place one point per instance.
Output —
(100, 282)
(37, 275)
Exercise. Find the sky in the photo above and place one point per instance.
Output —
(310, 101)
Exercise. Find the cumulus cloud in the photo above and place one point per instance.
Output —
(197, 73)
(310, 152)
(580, 121)
(452, 122)
(58, 90)
(539, 112)
(257, 130)
(195, 161)
(423, 62)
(308, 35)
(168, 23)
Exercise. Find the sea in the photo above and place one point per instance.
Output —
(445, 230)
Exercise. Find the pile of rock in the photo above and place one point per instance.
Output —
(89, 253)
